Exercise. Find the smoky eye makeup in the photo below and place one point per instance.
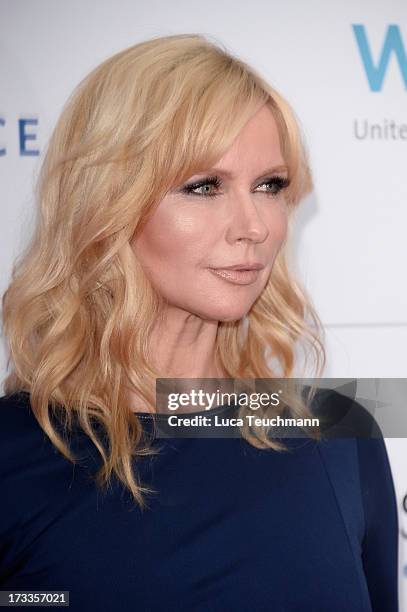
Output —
(208, 181)
(209, 186)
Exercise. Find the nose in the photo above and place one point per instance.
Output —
(245, 221)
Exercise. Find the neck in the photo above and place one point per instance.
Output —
(183, 346)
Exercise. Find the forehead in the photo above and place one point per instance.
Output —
(257, 144)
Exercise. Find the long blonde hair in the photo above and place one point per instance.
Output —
(79, 310)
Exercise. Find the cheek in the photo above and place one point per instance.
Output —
(169, 242)
(277, 221)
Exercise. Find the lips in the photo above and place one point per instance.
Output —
(236, 276)
(243, 266)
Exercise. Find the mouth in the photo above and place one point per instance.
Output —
(238, 277)
(243, 266)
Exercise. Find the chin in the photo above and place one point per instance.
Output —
(227, 313)
(232, 318)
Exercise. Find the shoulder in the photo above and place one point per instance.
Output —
(354, 448)
(15, 410)
(17, 417)
(342, 416)
(352, 439)
(21, 436)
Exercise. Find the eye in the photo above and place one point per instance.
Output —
(209, 186)
(203, 187)
(274, 185)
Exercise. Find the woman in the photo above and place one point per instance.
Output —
(172, 163)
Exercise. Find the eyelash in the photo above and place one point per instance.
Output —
(280, 182)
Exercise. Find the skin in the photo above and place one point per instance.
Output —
(190, 232)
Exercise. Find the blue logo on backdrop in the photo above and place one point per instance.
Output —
(393, 43)
(375, 73)
(24, 135)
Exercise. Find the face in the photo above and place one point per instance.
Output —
(233, 214)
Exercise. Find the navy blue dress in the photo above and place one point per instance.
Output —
(232, 527)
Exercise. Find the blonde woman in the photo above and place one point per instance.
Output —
(166, 199)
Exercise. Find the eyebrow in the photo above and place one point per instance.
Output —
(229, 174)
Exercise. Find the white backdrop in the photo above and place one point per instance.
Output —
(343, 67)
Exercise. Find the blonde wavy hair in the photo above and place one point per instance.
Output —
(78, 312)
